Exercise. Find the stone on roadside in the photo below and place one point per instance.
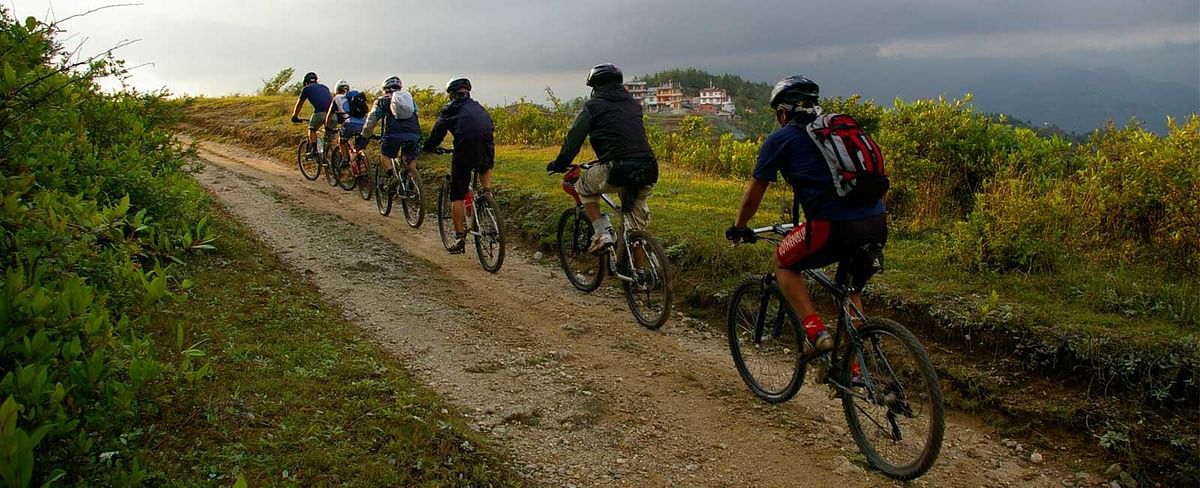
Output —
(1035, 458)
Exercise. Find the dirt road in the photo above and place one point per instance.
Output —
(567, 383)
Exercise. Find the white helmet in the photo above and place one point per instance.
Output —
(391, 84)
(340, 84)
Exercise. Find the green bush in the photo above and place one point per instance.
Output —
(95, 204)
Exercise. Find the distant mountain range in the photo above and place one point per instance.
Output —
(1080, 100)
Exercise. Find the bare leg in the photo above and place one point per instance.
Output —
(795, 289)
(312, 136)
(592, 210)
(485, 179)
(456, 208)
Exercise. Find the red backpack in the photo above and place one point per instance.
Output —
(853, 158)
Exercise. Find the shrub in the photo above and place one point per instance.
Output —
(95, 204)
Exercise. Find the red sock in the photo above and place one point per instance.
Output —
(812, 325)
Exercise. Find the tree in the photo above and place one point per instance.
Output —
(275, 84)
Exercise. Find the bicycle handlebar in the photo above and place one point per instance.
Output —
(781, 229)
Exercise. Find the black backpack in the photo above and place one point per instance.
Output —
(358, 105)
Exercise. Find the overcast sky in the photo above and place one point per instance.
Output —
(516, 48)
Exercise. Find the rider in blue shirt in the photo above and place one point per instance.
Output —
(834, 230)
(319, 97)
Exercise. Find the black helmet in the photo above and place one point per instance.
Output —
(310, 77)
(793, 90)
(603, 74)
(456, 84)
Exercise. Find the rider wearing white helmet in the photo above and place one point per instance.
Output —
(401, 127)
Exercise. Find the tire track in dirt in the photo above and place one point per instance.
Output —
(568, 383)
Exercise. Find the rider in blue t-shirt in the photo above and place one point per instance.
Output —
(834, 229)
(319, 97)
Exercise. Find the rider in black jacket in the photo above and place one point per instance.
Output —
(613, 121)
(474, 148)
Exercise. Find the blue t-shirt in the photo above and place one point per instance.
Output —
(318, 95)
(789, 150)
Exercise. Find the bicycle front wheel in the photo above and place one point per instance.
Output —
(584, 270)
(445, 216)
(649, 295)
(894, 405)
(309, 167)
(765, 341)
(412, 200)
(489, 237)
(383, 196)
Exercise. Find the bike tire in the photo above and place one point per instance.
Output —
(884, 366)
(574, 237)
(383, 198)
(333, 172)
(445, 215)
(309, 168)
(345, 176)
(489, 237)
(413, 203)
(362, 179)
(772, 367)
(652, 313)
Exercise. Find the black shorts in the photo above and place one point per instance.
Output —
(391, 148)
(478, 156)
(856, 245)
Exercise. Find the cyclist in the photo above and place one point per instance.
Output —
(336, 114)
(319, 97)
(474, 149)
(612, 119)
(401, 127)
(834, 230)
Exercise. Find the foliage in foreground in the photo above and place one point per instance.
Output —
(95, 206)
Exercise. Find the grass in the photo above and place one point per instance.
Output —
(1124, 333)
(296, 394)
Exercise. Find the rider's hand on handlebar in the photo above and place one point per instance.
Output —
(552, 168)
(743, 234)
(296, 119)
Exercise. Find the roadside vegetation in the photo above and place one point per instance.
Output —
(125, 356)
(1022, 257)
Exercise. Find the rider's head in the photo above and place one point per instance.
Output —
(792, 96)
(342, 86)
(310, 78)
(458, 87)
(604, 74)
(391, 84)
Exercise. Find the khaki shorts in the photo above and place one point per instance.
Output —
(594, 182)
(318, 119)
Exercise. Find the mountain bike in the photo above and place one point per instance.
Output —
(890, 392)
(482, 220)
(638, 259)
(399, 185)
(311, 166)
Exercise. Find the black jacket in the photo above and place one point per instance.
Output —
(468, 121)
(612, 119)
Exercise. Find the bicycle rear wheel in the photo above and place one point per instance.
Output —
(765, 341)
(894, 407)
(361, 169)
(383, 197)
(412, 201)
(489, 225)
(345, 175)
(309, 167)
(445, 215)
(649, 296)
(585, 271)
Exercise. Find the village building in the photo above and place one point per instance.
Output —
(669, 96)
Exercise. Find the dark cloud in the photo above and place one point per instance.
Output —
(914, 48)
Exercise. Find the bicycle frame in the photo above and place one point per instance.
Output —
(846, 332)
